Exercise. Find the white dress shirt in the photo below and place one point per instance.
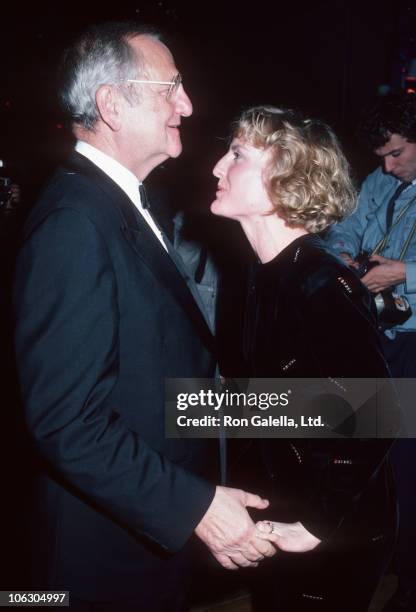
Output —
(123, 178)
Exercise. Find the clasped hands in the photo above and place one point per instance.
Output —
(236, 541)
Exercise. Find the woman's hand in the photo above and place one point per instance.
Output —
(290, 537)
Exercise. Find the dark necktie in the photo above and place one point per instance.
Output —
(392, 202)
(146, 206)
(143, 197)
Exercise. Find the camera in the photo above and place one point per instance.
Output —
(392, 309)
(364, 263)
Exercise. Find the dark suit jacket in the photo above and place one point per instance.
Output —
(102, 318)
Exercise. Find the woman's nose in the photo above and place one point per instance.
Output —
(218, 170)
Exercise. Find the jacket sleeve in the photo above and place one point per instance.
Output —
(346, 236)
(67, 347)
(410, 286)
(343, 340)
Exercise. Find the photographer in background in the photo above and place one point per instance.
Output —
(379, 241)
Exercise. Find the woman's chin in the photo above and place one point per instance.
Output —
(215, 207)
(218, 209)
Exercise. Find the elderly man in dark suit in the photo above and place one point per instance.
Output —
(103, 316)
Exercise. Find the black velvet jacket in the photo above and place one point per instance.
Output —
(309, 316)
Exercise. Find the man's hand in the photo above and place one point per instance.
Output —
(349, 260)
(388, 274)
(229, 532)
(290, 537)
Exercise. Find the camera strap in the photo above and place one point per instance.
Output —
(383, 242)
(408, 241)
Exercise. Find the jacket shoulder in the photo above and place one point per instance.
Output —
(317, 267)
(68, 190)
(322, 275)
(378, 180)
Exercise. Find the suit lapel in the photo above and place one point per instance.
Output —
(144, 243)
(147, 247)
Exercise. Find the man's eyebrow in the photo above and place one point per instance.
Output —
(235, 146)
(399, 150)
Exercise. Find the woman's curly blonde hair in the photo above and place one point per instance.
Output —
(308, 178)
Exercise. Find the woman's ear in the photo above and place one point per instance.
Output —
(109, 106)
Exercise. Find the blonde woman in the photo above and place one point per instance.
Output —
(285, 180)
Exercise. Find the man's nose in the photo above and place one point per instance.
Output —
(389, 164)
(183, 103)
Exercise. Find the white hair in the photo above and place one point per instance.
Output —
(101, 56)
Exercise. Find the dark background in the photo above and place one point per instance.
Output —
(327, 58)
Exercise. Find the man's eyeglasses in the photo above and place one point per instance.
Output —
(173, 85)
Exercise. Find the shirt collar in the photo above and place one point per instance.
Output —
(116, 171)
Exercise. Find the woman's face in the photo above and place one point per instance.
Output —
(241, 192)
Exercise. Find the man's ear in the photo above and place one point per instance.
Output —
(109, 106)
